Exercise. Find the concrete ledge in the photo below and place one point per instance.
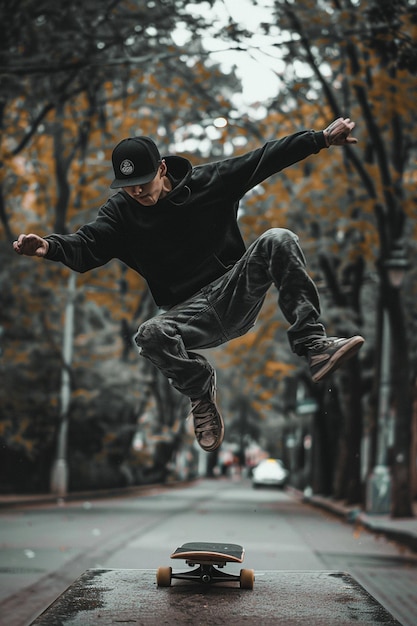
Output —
(109, 596)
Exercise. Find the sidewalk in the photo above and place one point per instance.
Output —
(402, 530)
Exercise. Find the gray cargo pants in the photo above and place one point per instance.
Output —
(228, 308)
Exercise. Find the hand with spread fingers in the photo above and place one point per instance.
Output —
(338, 132)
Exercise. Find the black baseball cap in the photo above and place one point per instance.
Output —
(135, 162)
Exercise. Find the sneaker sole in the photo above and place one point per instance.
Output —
(338, 358)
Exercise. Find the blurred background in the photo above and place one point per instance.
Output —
(79, 409)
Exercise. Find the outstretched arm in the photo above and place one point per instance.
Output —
(31, 245)
(338, 132)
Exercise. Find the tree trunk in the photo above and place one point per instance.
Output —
(354, 401)
(347, 484)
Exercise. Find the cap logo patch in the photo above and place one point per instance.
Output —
(127, 167)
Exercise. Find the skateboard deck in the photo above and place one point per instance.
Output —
(209, 559)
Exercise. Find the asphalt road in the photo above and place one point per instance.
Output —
(43, 549)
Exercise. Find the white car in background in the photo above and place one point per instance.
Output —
(269, 473)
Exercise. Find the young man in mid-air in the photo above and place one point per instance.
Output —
(176, 225)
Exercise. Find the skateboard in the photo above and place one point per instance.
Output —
(209, 559)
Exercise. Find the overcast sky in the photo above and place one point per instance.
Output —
(253, 68)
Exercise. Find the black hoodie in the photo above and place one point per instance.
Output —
(191, 236)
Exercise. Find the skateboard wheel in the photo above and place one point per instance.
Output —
(163, 576)
(247, 578)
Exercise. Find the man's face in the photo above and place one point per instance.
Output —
(149, 193)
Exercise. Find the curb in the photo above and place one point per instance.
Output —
(22, 500)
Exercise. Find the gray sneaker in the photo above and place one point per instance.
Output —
(208, 423)
(327, 354)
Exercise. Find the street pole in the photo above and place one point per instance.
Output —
(385, 491)
(384, 393)
(379, 485)
(59, 474)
